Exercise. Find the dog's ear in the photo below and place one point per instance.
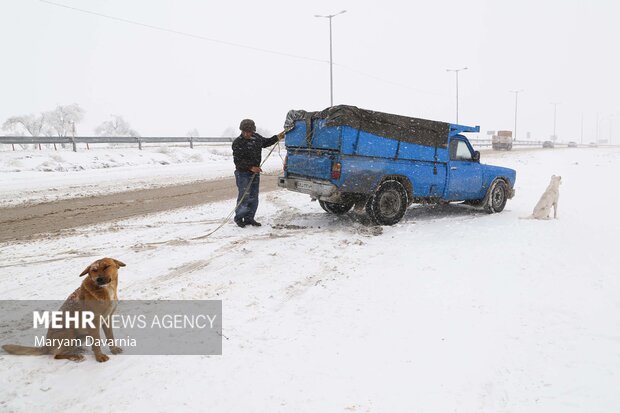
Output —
(119, 263)
(85, 271)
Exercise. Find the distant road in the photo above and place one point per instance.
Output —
(26, 222)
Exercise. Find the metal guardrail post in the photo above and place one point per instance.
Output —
(139, 143)
(191, 142)
(73, 143)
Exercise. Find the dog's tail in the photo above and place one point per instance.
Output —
(527, 217)
(25, 350)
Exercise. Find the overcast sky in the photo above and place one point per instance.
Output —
(390, 56)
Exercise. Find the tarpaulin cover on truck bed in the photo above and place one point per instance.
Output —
(402, 128)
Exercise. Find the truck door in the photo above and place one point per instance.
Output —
(464, 173)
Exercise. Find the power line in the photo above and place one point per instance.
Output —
(389, 81)
(180, 33)
(233, 44)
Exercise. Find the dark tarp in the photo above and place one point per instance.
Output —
(402, 128)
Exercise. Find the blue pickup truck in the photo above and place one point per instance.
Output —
(345, 156)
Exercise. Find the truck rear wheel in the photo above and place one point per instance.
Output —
(497, 197)
(388, 204)
(337, 209)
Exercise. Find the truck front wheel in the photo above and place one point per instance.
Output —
(337, 209)
(497, 197)
(388, 204)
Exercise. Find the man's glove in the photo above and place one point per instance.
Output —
(281, 135)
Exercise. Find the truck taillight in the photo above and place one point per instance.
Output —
(285, 162)
(336, 170)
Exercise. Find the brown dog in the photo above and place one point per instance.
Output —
(98, 295)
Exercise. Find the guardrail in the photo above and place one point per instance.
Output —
(38, 140)
(488, 143)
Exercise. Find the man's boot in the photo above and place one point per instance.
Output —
(251, 221)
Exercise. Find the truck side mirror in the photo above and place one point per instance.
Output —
(476, 156)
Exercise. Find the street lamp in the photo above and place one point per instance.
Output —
(599, 118)
(516, 92)
(456, 72)
(331, 64)
(555, 110)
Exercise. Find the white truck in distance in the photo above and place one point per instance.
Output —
(502, 140)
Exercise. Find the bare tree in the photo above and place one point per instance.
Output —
(62, 119)
(193, 133)
(116, 127)
(33, 124)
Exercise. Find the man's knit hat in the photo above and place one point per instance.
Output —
(247, 125)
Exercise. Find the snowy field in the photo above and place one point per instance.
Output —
(451, 310)
(30, 176)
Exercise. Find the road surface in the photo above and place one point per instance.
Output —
(26, 222)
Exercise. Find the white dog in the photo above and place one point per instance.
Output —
(548, 199)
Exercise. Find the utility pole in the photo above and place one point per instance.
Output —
(331, 63)
(456, 72)
(555, 110)
(516, 92)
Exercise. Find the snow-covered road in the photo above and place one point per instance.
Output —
(450, 310)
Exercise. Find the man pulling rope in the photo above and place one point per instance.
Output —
(247, 154)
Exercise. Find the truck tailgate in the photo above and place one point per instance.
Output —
(312, 164)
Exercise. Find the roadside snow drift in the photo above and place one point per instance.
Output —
(450, 310)
(38, 176)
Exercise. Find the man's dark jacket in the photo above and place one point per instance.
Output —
(247, 152)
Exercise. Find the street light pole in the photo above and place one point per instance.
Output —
(516, 92)
(555, 110)
(609, 117)
(456, 72)
(331, 64)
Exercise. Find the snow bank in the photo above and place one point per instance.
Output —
(29, 176)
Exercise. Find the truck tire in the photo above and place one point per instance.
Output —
(388, 204)
(337, 209)
(497, 197)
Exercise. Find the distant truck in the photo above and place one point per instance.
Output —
(502, 140)
(382, 163)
